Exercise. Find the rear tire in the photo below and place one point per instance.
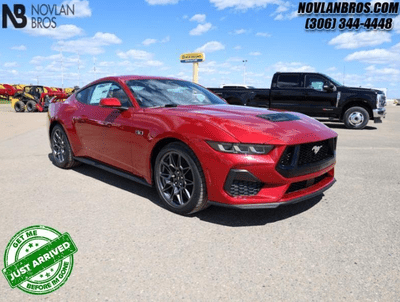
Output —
(19, 106)
(356, 118)
(180, 180)
(61, 149)
(31, 106)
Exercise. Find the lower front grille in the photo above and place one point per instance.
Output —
(242, 183)
(297, 186)
(244, 188)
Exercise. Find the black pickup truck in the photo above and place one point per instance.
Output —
(314, 94)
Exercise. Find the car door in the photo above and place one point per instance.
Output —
(286, 94)
(318, 102)
(104, 132)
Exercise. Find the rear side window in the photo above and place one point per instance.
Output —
(288, 80)
(83, 95)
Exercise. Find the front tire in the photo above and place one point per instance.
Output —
(356, 118)
(180, 180)
(19, 106)
(61, 149)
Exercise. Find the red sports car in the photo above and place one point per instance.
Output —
(192, 146)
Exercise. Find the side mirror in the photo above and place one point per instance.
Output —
(110, 102)
(329, 87)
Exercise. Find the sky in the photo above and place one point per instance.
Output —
(146, 37)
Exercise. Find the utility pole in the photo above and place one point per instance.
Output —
(244, 71)
(62, 70)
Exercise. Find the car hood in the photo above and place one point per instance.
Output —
(258, 125)
(360, 89)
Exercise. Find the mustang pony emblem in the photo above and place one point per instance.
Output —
(316, 149)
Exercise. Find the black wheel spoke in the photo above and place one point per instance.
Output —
(175, 179)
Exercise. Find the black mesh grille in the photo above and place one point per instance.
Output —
(296, 186)
(314, 152)
(244, 188)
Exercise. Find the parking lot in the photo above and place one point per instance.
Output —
(341, 246)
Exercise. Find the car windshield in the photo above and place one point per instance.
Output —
(334, 81)
(160, 93)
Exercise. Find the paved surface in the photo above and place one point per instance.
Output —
(342, 246)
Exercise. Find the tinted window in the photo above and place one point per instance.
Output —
(156, 93)
(107, 90)
(117, 92)
(315, 82)
(83, 95)
(288, 80)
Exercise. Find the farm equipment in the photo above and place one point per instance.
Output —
(36, 98)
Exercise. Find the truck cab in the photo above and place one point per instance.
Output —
(318, 95)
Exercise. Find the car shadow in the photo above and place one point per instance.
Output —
(333, 125)
(243, 218)
(213, 214)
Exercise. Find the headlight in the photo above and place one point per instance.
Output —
(241, 148)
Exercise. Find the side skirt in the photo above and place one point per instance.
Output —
(112, 170)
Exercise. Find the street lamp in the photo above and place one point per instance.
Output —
(244, 71)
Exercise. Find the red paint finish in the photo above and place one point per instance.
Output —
(126, 139)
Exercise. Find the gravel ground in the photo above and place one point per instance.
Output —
(341, 246)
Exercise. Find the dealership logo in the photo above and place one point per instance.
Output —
(316, 149)
(42, 15)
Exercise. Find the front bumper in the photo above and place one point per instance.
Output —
(251, 181)
(378, 114)
(273, 205)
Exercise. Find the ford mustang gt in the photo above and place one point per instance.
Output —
(192, 146)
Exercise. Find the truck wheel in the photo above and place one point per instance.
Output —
(31, 106)
(180, 180)
(19, 106)
(356, 118)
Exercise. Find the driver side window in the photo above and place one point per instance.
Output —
(316, 83)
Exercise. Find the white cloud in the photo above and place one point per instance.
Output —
(290, 16)
(261, 34)
(92, 46)
(200, 29)
(377, 55)
(135, 54)
(162, 2)
(237, 47)
(352, 40)
(255, 53)
(19, 47)
(383, 71)
(148, 42)
(211, 47)
(61, 32)
(396, 24)
(244, 4)
(81, 9)
(292, 67)
(10, 64)
(200, 18)
(239, 31)
(106, 64)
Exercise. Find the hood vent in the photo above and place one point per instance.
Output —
(279, 117)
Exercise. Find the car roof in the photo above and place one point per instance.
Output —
(125, 78)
